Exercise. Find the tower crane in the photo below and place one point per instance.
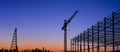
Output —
(64, 28)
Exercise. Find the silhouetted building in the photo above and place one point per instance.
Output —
(37, 50)
(116, 51)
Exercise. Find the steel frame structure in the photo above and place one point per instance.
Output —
(105, 33)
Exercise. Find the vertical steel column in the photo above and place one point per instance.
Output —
(88, 41)
(84, 40)
(113, 31)
(98, 36)
(71, 45)
(92, 38)
(75, 42)
(104, 34)
(80, 42)
(117, 47)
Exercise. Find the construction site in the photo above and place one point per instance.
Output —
(104, 36)
(59, 26)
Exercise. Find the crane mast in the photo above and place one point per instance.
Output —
(66, 22)
(14, 47)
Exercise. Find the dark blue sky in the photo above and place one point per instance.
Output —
(41, 21)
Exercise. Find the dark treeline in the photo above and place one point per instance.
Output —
(27, 50)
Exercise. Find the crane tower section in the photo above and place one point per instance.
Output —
(14, 47)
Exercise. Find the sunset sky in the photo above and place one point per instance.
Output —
(39, 22)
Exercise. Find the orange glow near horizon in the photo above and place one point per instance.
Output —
(49, 46)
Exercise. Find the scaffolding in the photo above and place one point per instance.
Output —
(104, 34)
